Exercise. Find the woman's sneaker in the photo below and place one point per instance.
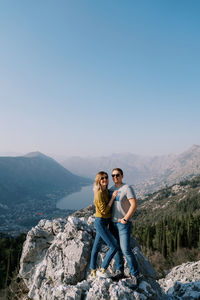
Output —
(102, 273)
(92, 274)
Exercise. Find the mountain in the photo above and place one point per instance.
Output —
(34, 175)
(30, 187)
(136, 168)
(147, 174)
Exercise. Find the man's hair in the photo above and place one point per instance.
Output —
(119, 170)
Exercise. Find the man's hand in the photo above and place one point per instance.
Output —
(130, 212)
(122, 221)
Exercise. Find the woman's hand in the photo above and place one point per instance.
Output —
(114, 195)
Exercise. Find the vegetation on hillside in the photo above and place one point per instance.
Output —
(10, 252)
(167, 225)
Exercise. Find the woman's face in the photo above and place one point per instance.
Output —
(104, 180)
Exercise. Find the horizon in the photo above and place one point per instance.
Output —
(60, 158)
(95, 78)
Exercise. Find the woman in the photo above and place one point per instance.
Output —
(102, 219)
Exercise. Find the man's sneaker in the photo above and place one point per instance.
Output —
(102, 273)
(139, 278)
(93, 274)
(118, 275)
(136, 279)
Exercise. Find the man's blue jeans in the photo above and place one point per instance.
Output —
(103, 234)
(122, 232)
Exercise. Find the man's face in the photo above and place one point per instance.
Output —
(117, 177)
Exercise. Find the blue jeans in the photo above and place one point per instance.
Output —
(103, 234)
(122, 232)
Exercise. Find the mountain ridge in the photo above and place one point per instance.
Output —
(146, 173)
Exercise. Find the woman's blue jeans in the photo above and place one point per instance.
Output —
(122, 232)
(103, 234)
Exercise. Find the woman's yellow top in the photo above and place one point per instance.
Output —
(101, 200)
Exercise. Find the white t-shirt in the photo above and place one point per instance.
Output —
(121, 204)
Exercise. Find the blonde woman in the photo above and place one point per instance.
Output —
(102, 219)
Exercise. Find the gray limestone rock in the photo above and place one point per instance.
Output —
(183, 282)
(55, 265)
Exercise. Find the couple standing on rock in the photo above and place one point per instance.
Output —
(114, 210)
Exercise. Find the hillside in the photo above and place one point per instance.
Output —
(178, 199)
(167, 224)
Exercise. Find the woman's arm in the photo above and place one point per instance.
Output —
(101, 203)
(114, 195)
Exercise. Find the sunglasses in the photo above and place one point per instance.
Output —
(105, 177)
(115, 175)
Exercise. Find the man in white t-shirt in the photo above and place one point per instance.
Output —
(123, 209)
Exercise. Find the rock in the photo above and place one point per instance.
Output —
(183, 282)
(55, 265)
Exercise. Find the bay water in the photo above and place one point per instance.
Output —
(77, 200)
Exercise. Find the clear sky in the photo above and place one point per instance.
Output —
(99, 77)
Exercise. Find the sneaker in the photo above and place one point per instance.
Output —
(139, 278)
(118, 275)
(93, 274)
(134, 280)
(102, 273)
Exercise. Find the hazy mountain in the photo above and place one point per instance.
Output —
(136, 168)
(181, 167)
(146, 173)
(34, 175)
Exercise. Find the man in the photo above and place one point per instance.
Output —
(123, 209)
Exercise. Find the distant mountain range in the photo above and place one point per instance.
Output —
(148, 174)
(33, 176)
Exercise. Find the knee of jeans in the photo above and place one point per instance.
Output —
(115, 248)
(126, 251)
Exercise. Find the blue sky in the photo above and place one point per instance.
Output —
(99, 77)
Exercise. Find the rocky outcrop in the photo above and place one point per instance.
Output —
(55, 265)
(183, 282)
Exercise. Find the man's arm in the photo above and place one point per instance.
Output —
(130, 212)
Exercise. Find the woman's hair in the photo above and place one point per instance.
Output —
(97, 185)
